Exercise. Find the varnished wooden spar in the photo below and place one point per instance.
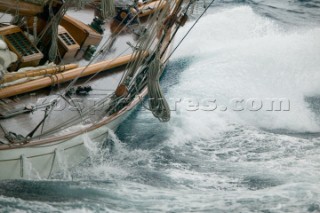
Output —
(144, 10)
(20, 7)
(152, 7)
(66, 76)
(35, 73)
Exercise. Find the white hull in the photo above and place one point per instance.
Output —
(41, 161)
(41, 157)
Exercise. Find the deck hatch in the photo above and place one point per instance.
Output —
(22, 45)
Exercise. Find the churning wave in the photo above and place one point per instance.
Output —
(241, 55)
(221, 160)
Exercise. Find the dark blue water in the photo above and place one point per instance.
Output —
(221, 160)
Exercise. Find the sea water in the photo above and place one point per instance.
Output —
(226, 148)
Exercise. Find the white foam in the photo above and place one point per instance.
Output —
(240, 54)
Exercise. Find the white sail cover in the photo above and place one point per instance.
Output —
(6, 57)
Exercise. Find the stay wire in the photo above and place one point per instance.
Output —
(185, 36)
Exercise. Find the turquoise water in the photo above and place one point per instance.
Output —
(220, 160)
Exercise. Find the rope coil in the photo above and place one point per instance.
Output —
(157, 103)
(107, 9)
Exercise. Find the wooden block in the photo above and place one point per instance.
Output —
(82, 33)
(68, 47)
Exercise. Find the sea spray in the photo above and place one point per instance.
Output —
(241, 55)
(27, 170)
(62, 165)
(219, 161)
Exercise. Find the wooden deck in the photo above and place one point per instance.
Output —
(102, 85)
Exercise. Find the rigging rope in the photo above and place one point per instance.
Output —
(157, 103)
(107, 9)
(161, 109)
(185, 36)
(56, 19)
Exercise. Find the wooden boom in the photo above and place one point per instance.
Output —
(35, 73)
(151, 8)
(20, 7)
(66, 76)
